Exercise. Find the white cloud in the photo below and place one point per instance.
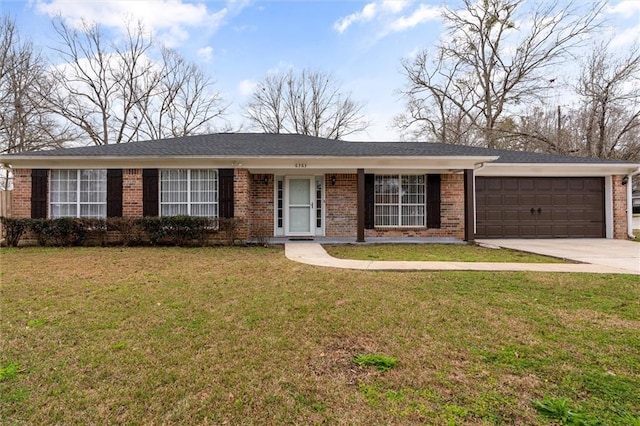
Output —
(367, 13)
(627, 37)
(246, 87)
(388, 18)
(168, 19)
(627, 8)
(395, 6)
(205, 53)
(422, 14)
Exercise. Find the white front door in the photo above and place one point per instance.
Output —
(299, 202)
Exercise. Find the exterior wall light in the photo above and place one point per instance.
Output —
(333, 180)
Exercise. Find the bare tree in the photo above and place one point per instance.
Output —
(115, 92)
(26, 123)
(609, 88)
(606, 121)
(309, 103)
(497, 55)
(183, 102)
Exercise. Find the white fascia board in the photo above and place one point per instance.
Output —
(553, 170)
(258, 164)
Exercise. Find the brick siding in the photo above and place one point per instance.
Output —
(21, 193)
(132, 192)
(451, 213)
(341, 208)
(619, 192)
(261, 217)
(242, 201)
(254, 204)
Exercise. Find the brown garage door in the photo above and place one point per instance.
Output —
(517, 207)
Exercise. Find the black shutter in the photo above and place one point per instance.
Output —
(150, 192)
(369, 201)
(114, 192)
(433, 201)
(225, 192)
(39, 181)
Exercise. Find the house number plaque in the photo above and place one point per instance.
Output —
(301, 165)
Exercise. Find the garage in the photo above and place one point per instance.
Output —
(540, 207)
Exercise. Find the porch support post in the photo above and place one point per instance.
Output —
(360, 209)
(469, 206)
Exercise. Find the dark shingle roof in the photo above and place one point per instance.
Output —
(288, 145)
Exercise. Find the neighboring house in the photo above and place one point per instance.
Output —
(301, 186)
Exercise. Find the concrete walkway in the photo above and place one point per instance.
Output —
(313, 253)
(621, 254)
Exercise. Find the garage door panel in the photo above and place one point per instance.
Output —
(563, 207)
(526, 184)
(544, 200)
(543, 185)
(560, 215)
(527, 200)
(513, 215)
(510, 200)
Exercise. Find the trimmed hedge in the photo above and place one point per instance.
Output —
(169, 230)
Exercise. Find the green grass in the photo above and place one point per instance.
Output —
(380, 362)
(244, 336)
(434, 252)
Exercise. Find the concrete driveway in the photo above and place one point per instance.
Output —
(619, 254)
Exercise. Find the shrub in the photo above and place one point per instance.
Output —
(167, 230)
(42, 230)
(95, 229)
(177, 230)
(262, 233)
(128, 228)
(67, 231)
(63, 231)
(229, 227)
(12, 230)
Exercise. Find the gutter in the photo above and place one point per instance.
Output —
(630, 202)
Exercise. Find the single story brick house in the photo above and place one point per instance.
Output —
(300, 186)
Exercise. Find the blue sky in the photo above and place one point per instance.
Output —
(360, 42)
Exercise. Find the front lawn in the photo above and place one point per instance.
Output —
(244, 336)
(435, 252)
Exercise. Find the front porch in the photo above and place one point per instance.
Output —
(348, 207)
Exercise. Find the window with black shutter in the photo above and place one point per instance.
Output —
(225, 192)
(433, 201)
(114, 193)
(150, 192)
(39, 181)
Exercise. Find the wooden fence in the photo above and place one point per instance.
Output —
(6, 206)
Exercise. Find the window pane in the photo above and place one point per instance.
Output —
(412, 215)
(386, 215)
(184, 192)
(399, 200)
(93, 186)
(173, 210)
(78, 193)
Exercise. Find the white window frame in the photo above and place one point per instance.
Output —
(189, 203)
(400, 204)
(78, 190)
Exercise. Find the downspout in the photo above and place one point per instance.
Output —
(630, 202)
